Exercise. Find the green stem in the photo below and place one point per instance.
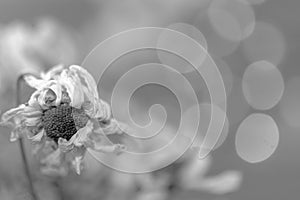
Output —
(21, 144)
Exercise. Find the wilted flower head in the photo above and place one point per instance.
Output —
(64, 117)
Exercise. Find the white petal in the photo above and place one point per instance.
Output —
(114, 148)
(74, 88)
(31, 111)
(15, 135)
(38, 137)
(221, 184)
(77, 163)
(92, 105)
(64, 80)
(8, 115)
(34, 82)
(32, 121)
(103, 110)
(78, 96)
(57, 89)
(41, 99)
(54, 71)
(33, 101)
(88, 78)
(66, 145)
(82, 134)
(114, 127)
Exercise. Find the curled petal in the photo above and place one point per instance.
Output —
(113, 127)
(89, 88)
(87, 77)
(41, 98)
(99, 109)
(46, 98)
(30, 111)
(103, 111)
(66, 145)
(75, 156)
(77, 164)
(89, 107)
(57, 89)
(114, 148)
(34, 82)
(33, 114)
(10, 114)
(34, 121)
(38, 137)
(50, 95)
(98, 141)
(82, 134)
(120, 130)
(78, 95)
(33, 101)
(53, 72)
(16, 134)
(73, 87)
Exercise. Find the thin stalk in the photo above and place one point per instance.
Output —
(58, 184)
(21, 144)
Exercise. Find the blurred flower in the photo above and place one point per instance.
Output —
(64, 117)
(24, 49)
(188, 173)
(153, 195)
(192, 177)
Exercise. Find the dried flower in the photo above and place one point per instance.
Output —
(64, 117)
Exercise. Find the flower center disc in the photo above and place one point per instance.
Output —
(63, 121)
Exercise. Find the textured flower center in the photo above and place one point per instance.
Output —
(63, 121)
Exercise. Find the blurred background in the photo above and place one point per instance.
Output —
(254, 44)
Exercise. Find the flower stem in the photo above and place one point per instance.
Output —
(58, 184)
(21, 143)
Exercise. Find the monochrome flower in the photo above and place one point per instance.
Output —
(64, 117)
